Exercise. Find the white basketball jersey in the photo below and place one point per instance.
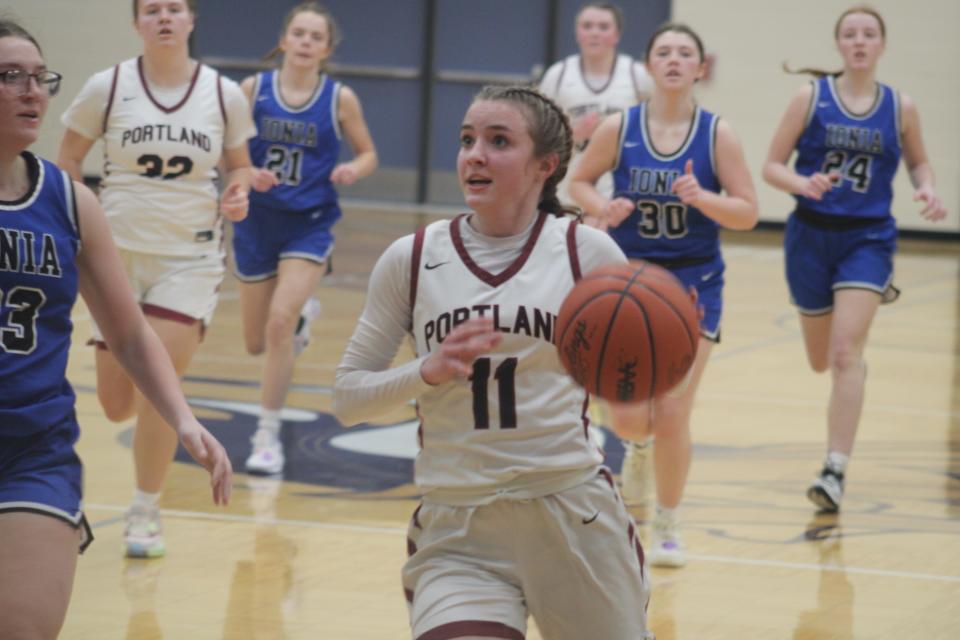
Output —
(578, 98)
(160, 162)
(520, 414)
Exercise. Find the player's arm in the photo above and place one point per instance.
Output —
(135, 345)
(737, 207)
(74, 147)
(246, 86)
(776, 172)
(915, 157)
(354, 127)
(598, 158)
(235, 164)
(365, 385)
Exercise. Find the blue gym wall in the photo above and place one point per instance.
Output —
(385, 56)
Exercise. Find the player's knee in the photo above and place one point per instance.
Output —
(116, 406)
(845, 358)
(255, 347)
(671, 417)
(280, 327)
(818, 363)
(630, 422)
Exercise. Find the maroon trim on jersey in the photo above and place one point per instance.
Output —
(113, 92)
(146, 88)
(585, 416)
(223, 108)
(415, 266)
(157, 312)
(632, 536)
(416, 516)
(509, 272)
(572, 251)
(408, 594)
(167, 314)
(482, 628)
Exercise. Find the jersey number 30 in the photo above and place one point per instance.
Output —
(18, 332)
(662, 220)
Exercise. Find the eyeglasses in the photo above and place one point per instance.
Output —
(48, 81)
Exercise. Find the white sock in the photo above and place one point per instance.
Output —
(670, 515)
(837, 461)
(144, 499)
(269, 420)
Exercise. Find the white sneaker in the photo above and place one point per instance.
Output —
(143, 534)
(267, 456)
(636, 475)
(667, 549)
(309, 313)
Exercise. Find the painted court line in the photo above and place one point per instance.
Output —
(804, 566)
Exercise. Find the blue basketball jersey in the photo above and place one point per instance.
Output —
(39, 240)
(864, 149)
(662, 227)
(299, 144)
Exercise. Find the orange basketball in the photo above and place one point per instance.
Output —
(628, 333)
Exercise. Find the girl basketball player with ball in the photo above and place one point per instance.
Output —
(849, 132)
(671, 160)
(283, 246)
(166, 121)
(518, 515)
(57, 242)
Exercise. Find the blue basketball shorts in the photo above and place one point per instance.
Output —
(821, 260)
(707, 279)
(267, 236)
(41, 473)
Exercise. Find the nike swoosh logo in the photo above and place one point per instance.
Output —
(261, 98)
(128, 99)
(707, 276)
(631, 145)
(823, 104)
(430, 267)
(591, 519)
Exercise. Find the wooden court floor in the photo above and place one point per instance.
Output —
(318, 553)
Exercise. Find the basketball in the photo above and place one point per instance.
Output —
(628, 333)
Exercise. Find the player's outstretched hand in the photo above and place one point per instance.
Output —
(208, 451)
(234, 202)
(455, 355)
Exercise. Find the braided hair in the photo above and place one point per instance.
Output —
(549, 127)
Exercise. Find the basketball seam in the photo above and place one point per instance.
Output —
(672, 308)
(646, 323)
